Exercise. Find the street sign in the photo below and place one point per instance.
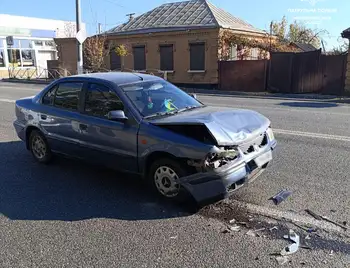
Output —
(81, 36)
(9, 40)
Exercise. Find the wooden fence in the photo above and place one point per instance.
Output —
(308, 72)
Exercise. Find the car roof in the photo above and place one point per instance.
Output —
(117, 78)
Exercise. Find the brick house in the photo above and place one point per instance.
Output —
(181, 38)
(346, 34)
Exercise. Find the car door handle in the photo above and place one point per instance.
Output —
(83, 126)
(43, 117)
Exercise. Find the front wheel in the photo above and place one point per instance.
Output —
(39, 147)
(164, 175)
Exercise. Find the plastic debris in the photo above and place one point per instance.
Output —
(281, 260)
(331, 253)
(273, 228)
(292, 248)
(173, 237)
(235, 228)
(307, 237)
(232, 221)
(281, 196)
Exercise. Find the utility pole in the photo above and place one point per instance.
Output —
(79, 44)
(99, 28)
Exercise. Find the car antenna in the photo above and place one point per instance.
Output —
(139, 76)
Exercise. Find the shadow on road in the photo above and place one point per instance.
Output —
(309, 104)
(70, 190)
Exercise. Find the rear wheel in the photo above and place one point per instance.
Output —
(164, 175)
(39, 147)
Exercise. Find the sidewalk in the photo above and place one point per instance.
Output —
(238, 94)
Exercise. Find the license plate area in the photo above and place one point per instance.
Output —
(261, 160)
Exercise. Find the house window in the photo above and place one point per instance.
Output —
(115, 61)
(233, 52)
(197, 56)
(166, 57)
(139, 58)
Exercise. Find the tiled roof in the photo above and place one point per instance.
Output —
(305, 47)
(346, 33)
(183, 15)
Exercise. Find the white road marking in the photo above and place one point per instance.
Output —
(311, 135)
(301, 109)
(286, 215)
(7, 100)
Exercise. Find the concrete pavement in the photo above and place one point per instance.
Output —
(74, 215)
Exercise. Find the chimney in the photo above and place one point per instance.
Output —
(131, 16)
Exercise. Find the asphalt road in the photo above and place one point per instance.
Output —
(73, 215)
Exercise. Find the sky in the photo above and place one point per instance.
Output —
(331, 15)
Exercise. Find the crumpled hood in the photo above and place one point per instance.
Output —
(228, 126)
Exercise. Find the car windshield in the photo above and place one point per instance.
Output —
(159, 98)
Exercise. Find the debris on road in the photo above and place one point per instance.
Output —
(232, 221)
(292, 248)
(254, 232)
(273, 228)
(281, 260)
(173, 237)
(320, 218)
(313, 214)
(281, 196)
(235, 228)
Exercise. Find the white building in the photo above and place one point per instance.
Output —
(33, 41)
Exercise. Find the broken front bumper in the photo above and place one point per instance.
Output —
(221, 182)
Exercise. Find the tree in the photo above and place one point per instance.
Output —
(296, 32)
(95, 51)
(341, 49)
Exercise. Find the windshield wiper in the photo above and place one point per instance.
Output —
(161, 114)
(187, 108)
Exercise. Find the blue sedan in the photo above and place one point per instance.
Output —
(145, 125)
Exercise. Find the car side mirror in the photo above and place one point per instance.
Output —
(117, 115)
(193, 95)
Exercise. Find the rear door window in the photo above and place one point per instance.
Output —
(67, 95)
(49, 97)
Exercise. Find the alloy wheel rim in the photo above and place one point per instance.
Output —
(39, 147)
(167, 181)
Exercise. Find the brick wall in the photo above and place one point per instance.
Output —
(181, 41)
(67, 54)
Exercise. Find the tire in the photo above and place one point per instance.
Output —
(39, 147)
(163, 167)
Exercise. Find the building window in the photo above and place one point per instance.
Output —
(2, 56)
(197, 56)
(233, 52)
(100, 100)
(139, 53)
(166, 57)
(67, 95)
(21, 54)
(115, 61)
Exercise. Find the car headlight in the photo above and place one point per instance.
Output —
(269, 133)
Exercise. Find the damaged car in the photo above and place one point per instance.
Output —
(144, 125)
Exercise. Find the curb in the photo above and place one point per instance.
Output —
(25, 81)
(320, 98)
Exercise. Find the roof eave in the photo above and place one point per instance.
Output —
(161, 30)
